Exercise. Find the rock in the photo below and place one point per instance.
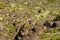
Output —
(57, 24)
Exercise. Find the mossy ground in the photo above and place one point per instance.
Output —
(13, 14)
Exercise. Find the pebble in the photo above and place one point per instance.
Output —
(1, 18)
(1, 26)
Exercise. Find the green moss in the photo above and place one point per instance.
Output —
(10, 34)
(52, 34)
(55, 37)
(13, 7)
(11, 27)
(51, 0)
(54, 31)
(2, 5)
(44, 35)
(37, 17)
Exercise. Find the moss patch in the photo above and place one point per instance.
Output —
(2, 5)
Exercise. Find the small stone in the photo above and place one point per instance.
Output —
(17, 19)
(1, 26)
(37, 7)
(26, 3)
(28, 19)
(7, 14)
(1, 18)
(25, 32)
(5, 34)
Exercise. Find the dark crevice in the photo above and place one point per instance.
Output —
(57, 18)
(53, 25)
(16, 38)
(29, 21)
(19, 33)
(14, 24)
(33, 29)
(39, 11)
(47, 24)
